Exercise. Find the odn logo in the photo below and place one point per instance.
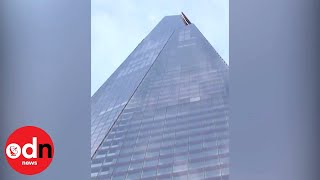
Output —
(29, 150)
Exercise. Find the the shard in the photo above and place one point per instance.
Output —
(163, 114)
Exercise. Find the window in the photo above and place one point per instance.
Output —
(152, 162)
(149, 172)
(165, 160)
(180, 167)
(212, 173)
(134, 175)
(211, 162)
(167, 169)
(136, 165)
(196, 164)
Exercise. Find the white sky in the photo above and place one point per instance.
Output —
(117, 27)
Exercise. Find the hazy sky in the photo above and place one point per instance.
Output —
(117, 27)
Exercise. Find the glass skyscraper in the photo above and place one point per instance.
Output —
(163, 114)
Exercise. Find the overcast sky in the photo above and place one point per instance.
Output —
(117, 27)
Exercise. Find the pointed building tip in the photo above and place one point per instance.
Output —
(185, 19)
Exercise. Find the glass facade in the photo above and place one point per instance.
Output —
(108, 102)
(167, 118)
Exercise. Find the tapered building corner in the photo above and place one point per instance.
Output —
(163, 114)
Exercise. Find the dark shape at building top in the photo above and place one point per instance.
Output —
(163, 114)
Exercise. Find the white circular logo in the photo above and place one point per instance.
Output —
(13, 150)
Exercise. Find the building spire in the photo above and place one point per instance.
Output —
(185, 19)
